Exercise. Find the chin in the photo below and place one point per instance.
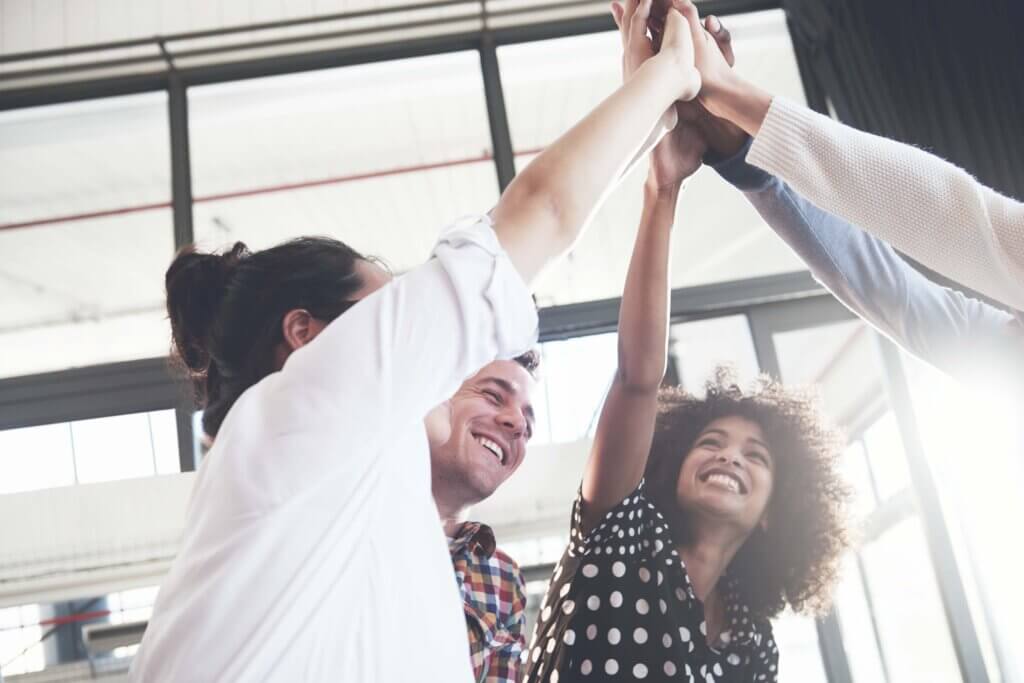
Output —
(483, 490)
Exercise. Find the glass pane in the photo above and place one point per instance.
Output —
(974, 438)
(109, 448)
(130, 606)
(885, 455)
(20, 648)
(575, 374)
(858, 475)
(87, 451)
(86, 233)
(841, 361)
(163, 425)
(799, 656)
(550, 85)
(35, 458)
(699, 347)
(853, 604)
(907, 606)
(379, 155)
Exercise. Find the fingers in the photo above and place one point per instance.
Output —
(678, 28)
(692, 16)
(638, 22)
(722, 36)
(617, 11)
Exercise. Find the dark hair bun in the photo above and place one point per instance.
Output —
(196, 284)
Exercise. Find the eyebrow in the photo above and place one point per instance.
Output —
(508, 388)
(724, 433)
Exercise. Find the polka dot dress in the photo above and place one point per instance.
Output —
(620, 607)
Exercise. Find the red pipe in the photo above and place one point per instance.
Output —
(72, 618)
(401, 170)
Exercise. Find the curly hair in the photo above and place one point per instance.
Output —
(795, 560)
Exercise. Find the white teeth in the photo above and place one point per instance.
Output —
(724, 481)
(492, 447)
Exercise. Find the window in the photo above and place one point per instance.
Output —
(382, 156)
(576, 373)
(907, 607)
(86, 233)
(131, 606)
(85, 451)
(575, 376)
(697, 348)
(973, 435)
(20, 648)
(550, 85)
(888, 604)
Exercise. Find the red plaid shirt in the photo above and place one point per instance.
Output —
(494, 600)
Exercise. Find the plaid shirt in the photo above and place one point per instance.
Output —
(494, 600)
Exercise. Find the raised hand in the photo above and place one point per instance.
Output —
(715, 70)
(677, 42)
(678, 155)
(631, 18)
(723, 138)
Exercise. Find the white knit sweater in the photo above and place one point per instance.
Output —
(927, 208)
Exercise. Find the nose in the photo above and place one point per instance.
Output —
(514, 422)
(730, 456)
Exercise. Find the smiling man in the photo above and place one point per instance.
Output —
(477, 441)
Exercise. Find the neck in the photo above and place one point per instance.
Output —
(708, 555)
(452, 513)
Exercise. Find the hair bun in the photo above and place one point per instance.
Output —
(196, 285)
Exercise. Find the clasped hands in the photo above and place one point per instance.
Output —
(689, 130)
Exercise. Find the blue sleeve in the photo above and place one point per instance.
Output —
(937, 324)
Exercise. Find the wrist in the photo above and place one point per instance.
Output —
(658, 193)
(737, 101)
(685, 80)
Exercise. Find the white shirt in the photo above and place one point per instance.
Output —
(313, 549)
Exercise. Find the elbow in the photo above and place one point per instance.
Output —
(532, 196)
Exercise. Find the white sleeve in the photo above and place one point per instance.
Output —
(927, 208)
(384, 363)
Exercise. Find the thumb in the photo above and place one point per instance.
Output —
(692, 16)
(638, 23)
(617, 12)
(722, 37)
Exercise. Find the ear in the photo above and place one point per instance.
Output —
(438, 423)
(299, 327)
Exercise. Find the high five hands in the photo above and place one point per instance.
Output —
(694, 128)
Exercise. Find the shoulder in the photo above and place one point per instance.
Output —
(633, 530)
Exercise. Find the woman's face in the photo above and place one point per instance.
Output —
(728, 474)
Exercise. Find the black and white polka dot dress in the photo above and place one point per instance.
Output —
(620, 607)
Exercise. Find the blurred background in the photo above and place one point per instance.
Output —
(129, 128)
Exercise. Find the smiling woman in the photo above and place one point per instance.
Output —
(793, 553)
(747, 480)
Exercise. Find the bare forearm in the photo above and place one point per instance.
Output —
(546, 207)
(738, 101)
(643, 317)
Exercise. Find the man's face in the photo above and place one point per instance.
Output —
(478, 437)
